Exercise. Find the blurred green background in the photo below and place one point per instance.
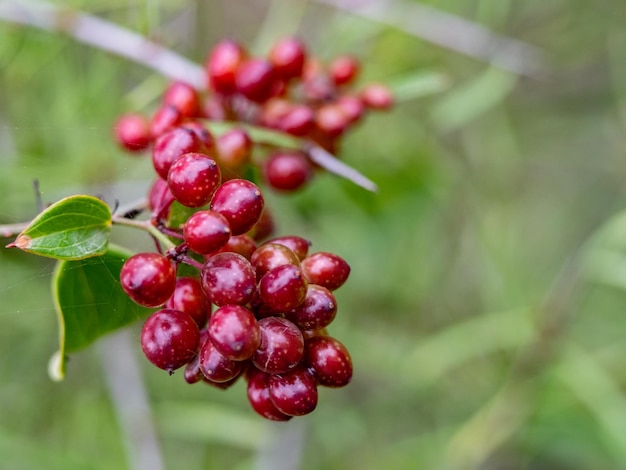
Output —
(485, 312)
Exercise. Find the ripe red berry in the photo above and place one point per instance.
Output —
(215, 366)
(256, 80)
(288, 56)
(269, 256)
(241, 202)
(328, 360)
(287, 171)
(234, 148)
(228, 278)
(159, 195)
(294, 393)
(283, 288)
(189, 297)
(205, 137)
(325, 269)
(166, 118)
(169, 339)
(171, 146)
(206, 232)
(132, 132)
(258, 391)
(222, 66)
(264, 226)
(234, 332)
(331, 119)
(298, 245)
(317, 311)
(193, 178)
(344, 69)
(184, 97)
(352, 108)
(148, 278)
(240, 244)
(298, 120)
(281, 347)
(377, 96)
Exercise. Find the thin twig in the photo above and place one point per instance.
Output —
(450, 31)
(103, 35)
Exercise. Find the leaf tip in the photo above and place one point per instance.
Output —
(23, 242)
(56, 367)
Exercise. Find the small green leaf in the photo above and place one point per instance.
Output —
(73, 228)
(90, 302)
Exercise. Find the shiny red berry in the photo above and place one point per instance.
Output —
(228, 278)
(283, 288)
(328, 360)
(281, 347)
(317, 311)
(287, 171)
(344, 69)
(325, 269)
(132, 132)
(258, 391)
(206, 232)
(184, 97)
(148, 278)
(300, 246)
(234, 332)
(189, 297)
(271, 255)
(193, 178)
(171, 146)
(166, 118)
(377, 96)
(234, 148)
(288, 56)
(294, 393)
(256, 80)
(243, 245)
(215, 366)
(222, 65)
(241, 202)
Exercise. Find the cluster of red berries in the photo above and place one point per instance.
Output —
(288, 91)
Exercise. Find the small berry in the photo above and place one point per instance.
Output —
(258, 391)
(298, 245)
(234, 332)
(298, 120)
(283, 288)
(255, 80)
(293, 393)
(169, 339)
(264, 226)
(240, 244)
(159, 196)
(241, 202)
(166, 118)
(205, 137)
(288, 56)
(148, 278)
(222, 65)
(233, 149)
(183, 97)
(317, 311)
(377, 96)
(344, 69)
(228, 278)
(132, 132)
(281, 347)
(328, 360)
(331, 119)
(193, 178)
(325, 269)
(206, 232)
(189, 297)
(269, 256)
(287, 171)
(352, 108)
(215, 366)
(171, 146)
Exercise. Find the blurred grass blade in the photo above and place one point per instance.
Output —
(418, 85)
(469, 101)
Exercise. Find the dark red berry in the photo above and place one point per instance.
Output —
(317, 311)
(344, 69)
(184, 97)
(259, 396)
(298, 120)
(331, 119)
(215, 366)
(328, 360)
(377, 96)
(233, 149)
(206, 232)
(287, 171)
(192, 373)
(132, 132)
(234, 332)
(264, 226)
(352, 108)
(215, 108)
(325, 269)
(294, 393)
(281, 347)
(255, 80)
(189, 297)
(227, 383)
(148, 278)
(222, 66)
(166, 118)
(171, 146)
(228, 278)
(271, 255)
(159, 196)
(240, 244)
(203, 134)
(169, 339)
(288, 56)
(298, 245)
(283, 288)
(193, 178)
(241, 202)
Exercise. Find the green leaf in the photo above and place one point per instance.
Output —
(73, 228)
(90, 302)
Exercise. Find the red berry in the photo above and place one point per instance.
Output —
(148, 278)
(352, 108)
(228, 278)
(233, 149)
(206, 232)
(166, 118)
(241, 202)
(298, 245)
(258, 391)
(281, 348)
(283, 288)
(159, 195)
(288, 56)
(377, 96)
(171, 146)
(203, 134)
(288, 171)
(193, 178)
(294, 393)
(298, 120)
(222, 65)
(331, 119)
(240, 244)
(169, 339)
(189, 297)
(234, 332)
(344, 69)
(215, 366)
(325, 269)
(256, 80)
(184, 97)
(317, 311)
(132, 132)
(328, 360)
(264, 226)
(269, 256)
